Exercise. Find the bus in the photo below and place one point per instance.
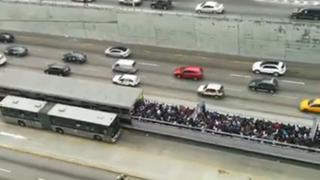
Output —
(77, 92)
(61, 118)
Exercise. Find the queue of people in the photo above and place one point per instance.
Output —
(219, 122)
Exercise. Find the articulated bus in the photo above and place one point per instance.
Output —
(84, 93)
(99, 125)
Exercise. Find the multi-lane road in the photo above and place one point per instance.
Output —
(16, 166)
(156, 67)
(260, 8)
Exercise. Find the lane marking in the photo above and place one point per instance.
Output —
(232, 89)
(284, 96)
(293, 82)
(5, 170)
(241, 62)
(41, 179)
(240, 75)
(16, 136)
(179, 55)
(149, 64)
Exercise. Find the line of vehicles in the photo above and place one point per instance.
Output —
(125, 71)
(213, 7)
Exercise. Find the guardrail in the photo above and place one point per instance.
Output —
(226, 134)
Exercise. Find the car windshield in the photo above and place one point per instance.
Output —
(311, 102)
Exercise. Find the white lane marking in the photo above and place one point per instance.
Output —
(293, 82)
(232, 89)
(5, 170)
(16, 136)
(240, 75)
(149, 64)
(41, 179)
(284, 96)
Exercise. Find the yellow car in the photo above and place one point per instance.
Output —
(310, 105)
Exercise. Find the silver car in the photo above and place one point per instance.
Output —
(126, 80)
(118, 52)
(130, 2)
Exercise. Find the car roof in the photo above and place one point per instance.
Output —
(129, 76)
(128, 62)
(192, 68)
(211, 3)
(17, 46)
(57, 65)
(214, 86)
(277, 63)
(316, 101)
(119, 47)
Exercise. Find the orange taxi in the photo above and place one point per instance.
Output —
(310, 105)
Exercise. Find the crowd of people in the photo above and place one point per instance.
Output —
(200, 118)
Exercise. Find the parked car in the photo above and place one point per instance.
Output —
(16, 50)
(275, 68)
(211, 89)
(189, 72)
(131, 2)
(161, 4)
(118, 51)
(75, 57)
(270, 85)
(310, 105)
(310, 13)
(6, 37)
(58, 69)
(126, 80)
(210, 7)
(83, 1)
(125, 66)
(3, 59)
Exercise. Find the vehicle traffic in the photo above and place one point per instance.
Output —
(126, 80)
(75, 57)
(61, 118)
(58, 69)
(118, 52)
(210, 7)
(3, 59)
(212, 89)
(307, 13)
(161, 4)
(131, 2)
(275, 68)
(189, 72)
(125, 66)
(6, 37)
(310, 105)
(16, 50)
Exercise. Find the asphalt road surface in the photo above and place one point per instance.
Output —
(21, 166)
(258, 8)
(156, 67)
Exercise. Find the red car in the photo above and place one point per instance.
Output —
(189, 72)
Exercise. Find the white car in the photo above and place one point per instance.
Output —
(275, 68)
(210, 7)
(83, 0)
(211, 89)
(126, 80)
(3, 59)
(130, 2)
(118, 51)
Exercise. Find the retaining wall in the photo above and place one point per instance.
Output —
(268, 38)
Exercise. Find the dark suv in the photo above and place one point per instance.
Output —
(6, 37)
(161, 4)
(75, 57)
(311, 13)
(58, 69)
(270, 85)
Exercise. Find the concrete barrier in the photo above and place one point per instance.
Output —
(267, 38)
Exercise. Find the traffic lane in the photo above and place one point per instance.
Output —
(160, 155)
(15, 165)
(223, 76)
(236, 97)
(299, 88)
(148, 53)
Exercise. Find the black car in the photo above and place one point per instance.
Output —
(16, 50)
(270, 85)
(310, 13)
(6, 38)
(75, 57)
(58, 69)
(161, 4)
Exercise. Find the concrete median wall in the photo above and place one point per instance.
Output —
(277, 39)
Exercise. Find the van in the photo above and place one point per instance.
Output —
(125, 66)
(310, 13)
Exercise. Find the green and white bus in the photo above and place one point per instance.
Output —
(61, 118)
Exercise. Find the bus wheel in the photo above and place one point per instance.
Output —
(98, 138)
(21, 123)
(59, 130)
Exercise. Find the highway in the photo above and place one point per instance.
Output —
(16, 166)
(258, 8)
(156, 72)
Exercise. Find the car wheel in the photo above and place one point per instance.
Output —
(153, 6)
(303, 110)
(216, 97)
(276, 74)
(257, 72)
(164, 7)
(98, 138)
(272, 91)
(198, 11)
(195, 78)
(253, 89)
(21, 123)
(178, 76)
(59, 130)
